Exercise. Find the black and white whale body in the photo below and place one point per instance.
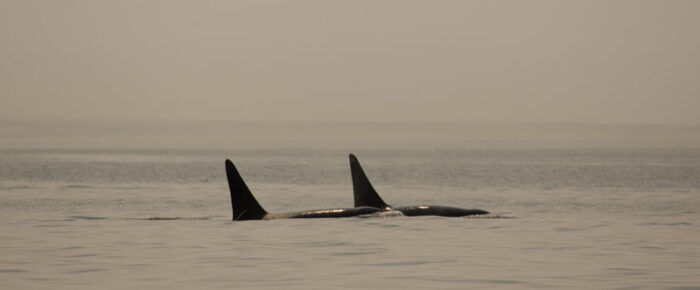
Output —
(246, 207)
(365, 195)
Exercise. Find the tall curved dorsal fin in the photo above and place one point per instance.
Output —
(362, 189)
(243, 203)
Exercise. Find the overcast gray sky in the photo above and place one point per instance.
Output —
(464, 61)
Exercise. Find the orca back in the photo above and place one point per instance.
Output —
(243, 203)
(362, 189)
(439, 210)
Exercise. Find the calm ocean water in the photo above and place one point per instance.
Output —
(601, 218)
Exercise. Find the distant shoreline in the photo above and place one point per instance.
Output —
(211, 134)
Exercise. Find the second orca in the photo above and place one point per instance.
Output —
(366, 196)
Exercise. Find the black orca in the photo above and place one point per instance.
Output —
(365, 195)
(246, 207)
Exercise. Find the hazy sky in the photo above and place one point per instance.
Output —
(534, 61)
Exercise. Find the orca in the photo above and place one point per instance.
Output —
(246, 207)
(365, 195)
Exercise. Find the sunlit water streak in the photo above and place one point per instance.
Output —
(612, 219)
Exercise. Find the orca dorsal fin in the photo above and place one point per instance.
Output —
(243, 203)
(362, 189)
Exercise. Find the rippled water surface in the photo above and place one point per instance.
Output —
(160, 219)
